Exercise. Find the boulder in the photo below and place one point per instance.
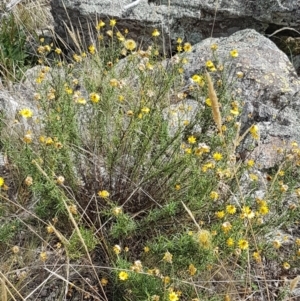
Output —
(191, 20)
(269, 89)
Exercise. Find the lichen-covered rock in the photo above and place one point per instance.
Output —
(192, 20)
(269, 87)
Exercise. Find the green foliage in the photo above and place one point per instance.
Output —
(12, 48)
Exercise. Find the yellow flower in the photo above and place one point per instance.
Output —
(234, 53)
(145, 110)
(230, 209)
(220, 214)
(191, 139)
(103, 194)
(114, 82)
(254, 131)
(179, 48)
(253, 177)
(27, 138)
(130, 44)
(43, 256)
(286, 265)
(214, 195)
(263, 210)
(173, 296)
(247, 212)
(27, 113)
(100, 25)
(209, 64)
(60, 180)
(250, 163)
(276, 244)
(230, 242)
(168, 257)
(104, 281)
(217, 156)
(198, 79)
(73, 209)
(15, 249)
(1, 181)
(204, 238)
(92, 49)
(58, 50)
(179, 40)
(208, 102)
(166, 280)
(214, 47)
(50, 229)
(112, 22)
(123, 276)
(177, 187)
(94, 97)
(117, 211)
(187, 47)
(155, 33)
(130, 113)
(226, 227)
(243, 244)
(192, 269)
(77, 58)
(117, 249)
(256, 256)
(146, 249)
(120, 37)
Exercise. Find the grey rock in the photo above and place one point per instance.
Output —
(269, 88)
(193, 20)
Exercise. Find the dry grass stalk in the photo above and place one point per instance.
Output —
(214, 103)
(3, 290)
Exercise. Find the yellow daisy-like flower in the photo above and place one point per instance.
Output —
(192, 139)
(234, 53)
(192, 269)
(230, 209)
(173, 296)
(208, 102)
(263, 210)
(179, 41)
(243, 244)
(94, 97)
(286, 265)
(112, 22)
(1, 181)
(254, 132)
(187, 47)
(214, 195)
(198, 79)
(217, 156)
(168, 257)
(58, 50)
(214, 47)
(103, 194)
(123, 276)
(155, 33)
(130, 44)
(226, 227)
(276, 244)
(92, 49)
(220, 214)
(27, 113)
(100, 25)
(146, 249)
(210, 64)
(117, 249)
(230, 242)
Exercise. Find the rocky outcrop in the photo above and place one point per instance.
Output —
(269, 88)
(191, 20)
